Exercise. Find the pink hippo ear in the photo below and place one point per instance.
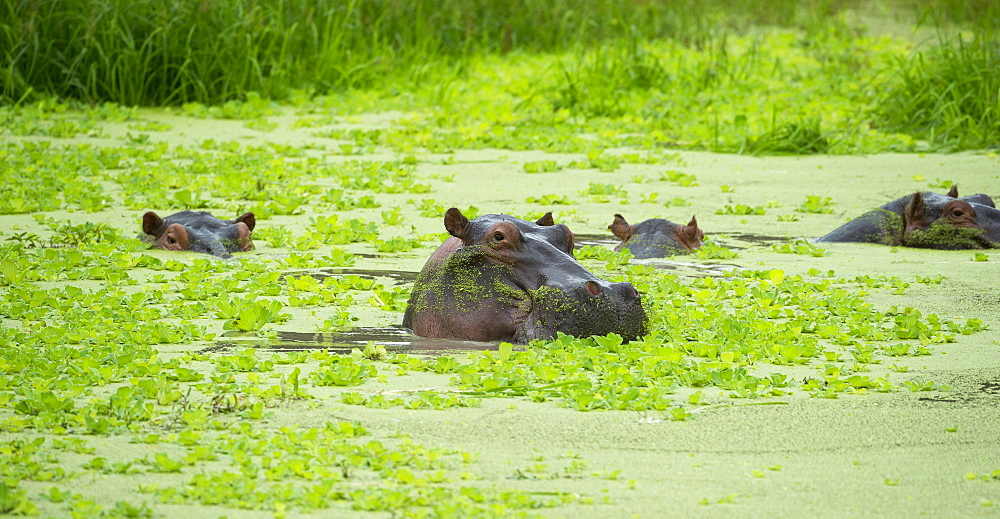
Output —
(244, 225)
(690, 235)
(457, 224)
(621, 228)
(914, 214)
(247, 218)
(152, 224)
(953, 192)
(546, 220)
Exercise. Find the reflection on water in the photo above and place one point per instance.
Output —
(321, 274)
(758, 238)
(396, 339)
(596, 240)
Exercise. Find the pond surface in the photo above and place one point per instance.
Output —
(904, 452)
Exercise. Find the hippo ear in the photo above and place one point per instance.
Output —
(456, 223)
(546, 220)
(244, 234)
(953, 192)
(152, 224)
(690, 235)
(914, 213)
(621, 228)
(248, 218)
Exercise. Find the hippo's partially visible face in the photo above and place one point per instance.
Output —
(199, 231)
(500, 278)
(950, 223)
(656, 237)
(927, 220)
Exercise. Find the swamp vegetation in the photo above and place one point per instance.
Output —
(778, 375)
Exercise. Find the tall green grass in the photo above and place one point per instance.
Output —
(169, 52)
(154, 52)
(949, 94)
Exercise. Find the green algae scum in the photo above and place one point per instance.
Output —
(777, 375)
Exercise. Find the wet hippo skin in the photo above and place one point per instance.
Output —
(500, 278)
(927, 220)
(656, 237)
(199, 231)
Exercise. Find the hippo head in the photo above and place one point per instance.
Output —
(947, 222)
(927, 220)
(503, 278)
(199, 231)
(656, 237)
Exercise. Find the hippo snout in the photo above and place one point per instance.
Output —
(625, 291)
(617, 291)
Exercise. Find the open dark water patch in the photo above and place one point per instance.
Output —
(757, 238)
(968, 392)
(595, 240)
(321, 274)
(396, 339)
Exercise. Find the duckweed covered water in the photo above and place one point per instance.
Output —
(780, 377)
(883, 356)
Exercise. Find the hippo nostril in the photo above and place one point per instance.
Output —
(593, 288)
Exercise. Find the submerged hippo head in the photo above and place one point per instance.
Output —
(500, 278)
(927, 220)
(656, 237)
(199, 231)
(949, 223)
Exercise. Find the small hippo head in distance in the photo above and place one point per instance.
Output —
(656, 237)
(199, 231)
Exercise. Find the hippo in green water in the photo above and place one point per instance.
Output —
(656, 237)
(199, 231)
(500, 278)
(927, 220)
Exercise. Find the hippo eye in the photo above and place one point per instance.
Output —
(957, 212)
(171, 240)
(498, 236)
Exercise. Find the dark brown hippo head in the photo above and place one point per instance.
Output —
(199, 231)
(500, 278)
(950, 223)
(927, 220)
(656, 237)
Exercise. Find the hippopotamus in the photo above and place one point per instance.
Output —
(500, 278)
(199, 231)
(656, 237)
(927, 220)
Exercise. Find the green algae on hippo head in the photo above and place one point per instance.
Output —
(972, 222)
(927, 220)
(500, 278)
